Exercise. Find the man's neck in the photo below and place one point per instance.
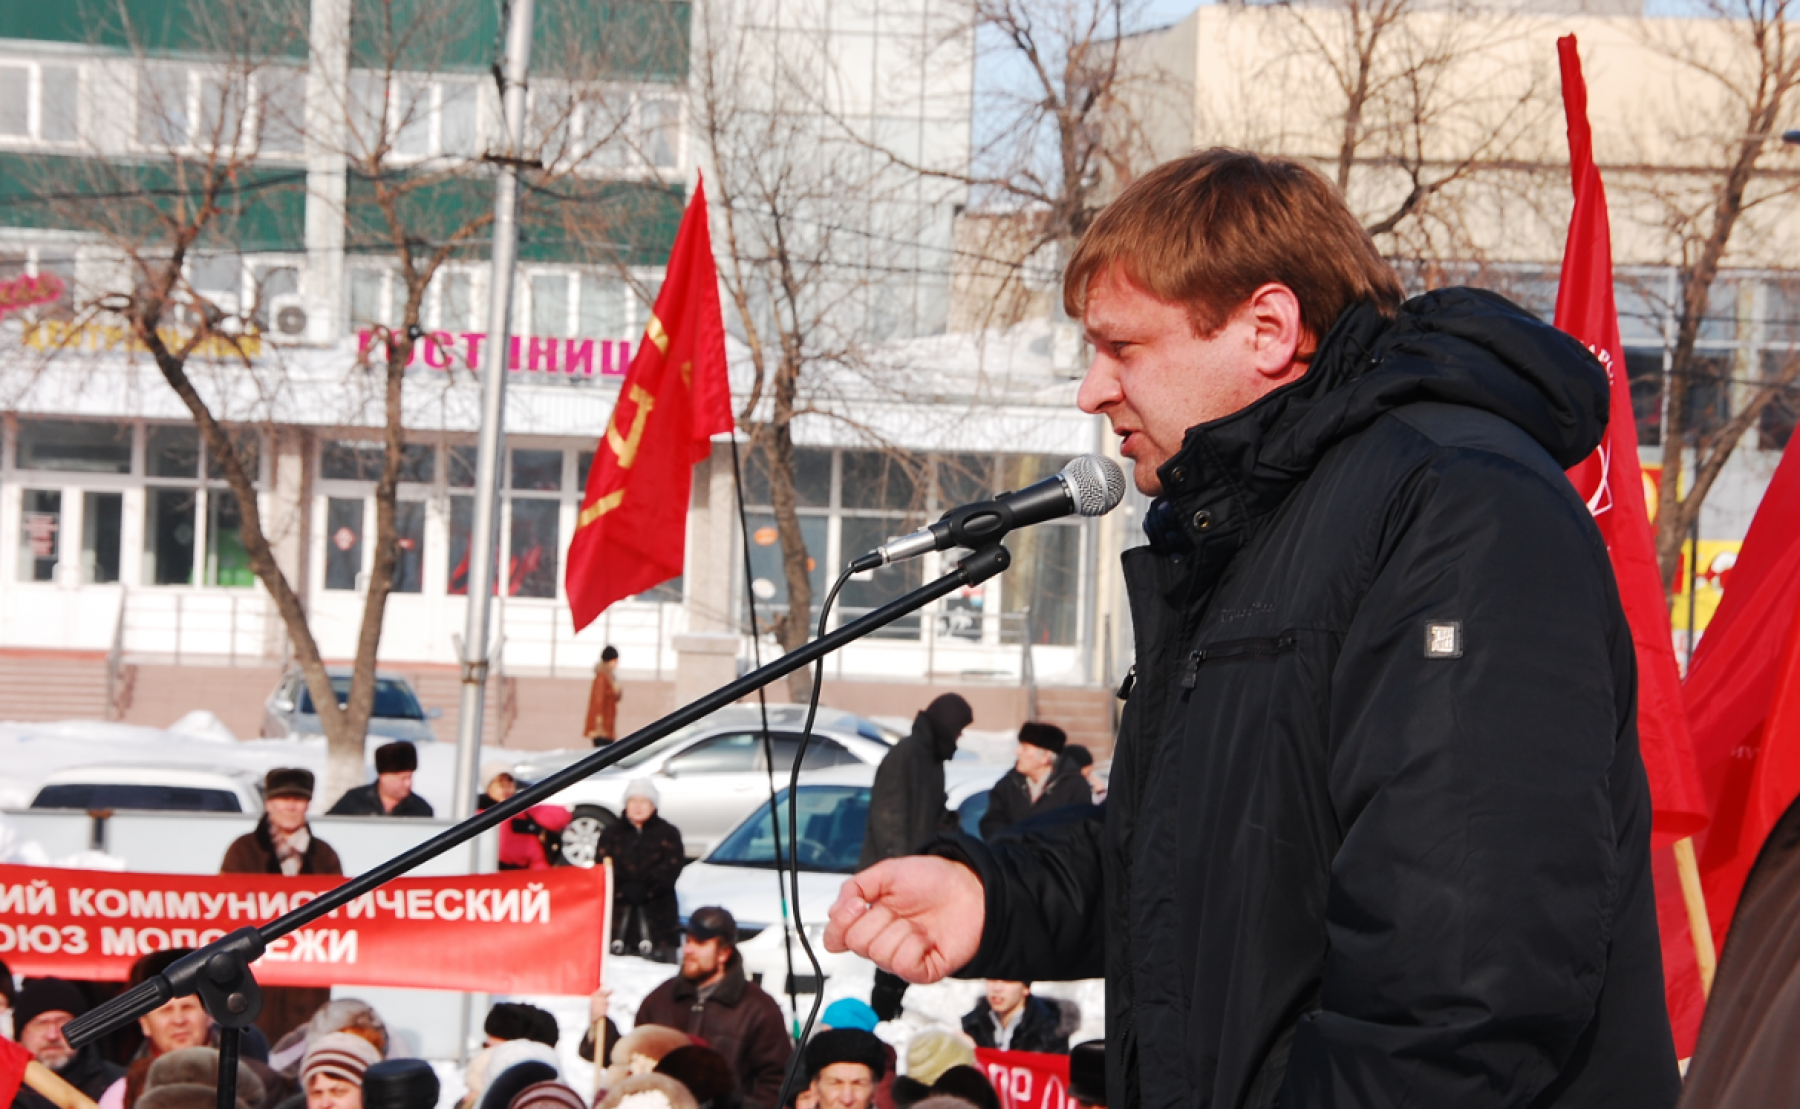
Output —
(1007, 1018)
(388, 805)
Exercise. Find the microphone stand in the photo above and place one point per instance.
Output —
(220, 972)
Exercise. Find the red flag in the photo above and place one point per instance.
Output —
(1613, 486)
(632, 531)
(13, 1058)
(1744, 685)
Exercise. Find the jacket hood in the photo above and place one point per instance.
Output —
(1455, 346)
(942, 724)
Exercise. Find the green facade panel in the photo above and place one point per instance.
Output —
(263, 209)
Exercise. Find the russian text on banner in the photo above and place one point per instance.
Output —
(426, 933)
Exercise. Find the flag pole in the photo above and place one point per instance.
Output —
(493, 410)
(601, 1047)
(1699, 927)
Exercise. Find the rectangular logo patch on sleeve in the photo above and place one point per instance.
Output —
(1443, 639)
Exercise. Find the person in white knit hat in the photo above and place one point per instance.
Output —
(647, 858)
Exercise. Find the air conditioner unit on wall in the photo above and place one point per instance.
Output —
(294, 318)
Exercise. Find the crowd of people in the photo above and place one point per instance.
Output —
(708, 1038)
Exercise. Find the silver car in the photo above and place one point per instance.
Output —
(709, 775)
(289, 710)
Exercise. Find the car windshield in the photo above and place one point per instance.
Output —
(93, 796)
(393, 699)
(831, 823)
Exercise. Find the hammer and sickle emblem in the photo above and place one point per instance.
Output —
(625, 447)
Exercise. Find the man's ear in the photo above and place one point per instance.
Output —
(1281, 344)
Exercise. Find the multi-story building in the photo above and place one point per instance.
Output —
(128, 593)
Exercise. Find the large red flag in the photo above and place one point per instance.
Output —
(1744, 686)
(632, 531)
(1612, 485)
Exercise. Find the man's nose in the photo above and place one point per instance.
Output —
(1099, 387)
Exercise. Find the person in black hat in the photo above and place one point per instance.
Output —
(514, 1020)
(390, 794)
(1040, 780)
(844, 1065)
(1087, 1074)
(713, 1001)
(283, 843)
(39, 1013)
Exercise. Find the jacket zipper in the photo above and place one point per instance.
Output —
(1261, 647)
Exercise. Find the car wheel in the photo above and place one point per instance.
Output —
(581, 836)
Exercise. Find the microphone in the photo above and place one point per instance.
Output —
(1091, 485)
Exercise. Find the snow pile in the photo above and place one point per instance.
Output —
(15, 848)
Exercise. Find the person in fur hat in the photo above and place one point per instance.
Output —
(391, 793)
(283, 843)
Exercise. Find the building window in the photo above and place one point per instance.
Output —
(67, 446)
(169, 531)
(409, 538)
(38, 102)
(227, 562)
(185, 490)
(532, 554)
(102, 519)
(181, 109)
(343, 542)
(411, 118)
(40, 528)
(1645, 370)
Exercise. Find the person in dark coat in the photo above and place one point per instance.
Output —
(1378, 831)
(39, 1013)
(283, 843)
(906, 804)
(1041, 780)
(712, 1001)
(1009, 1018)
(390, 794)
(647, 858)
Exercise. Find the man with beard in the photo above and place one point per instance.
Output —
(712, 1001)
(906, 804)
(1378, 830)
(40, 1012)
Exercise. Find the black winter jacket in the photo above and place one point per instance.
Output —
(906, 803)
(1378, 830)
(1009, 802)
(1037, 1030)
(366, 801)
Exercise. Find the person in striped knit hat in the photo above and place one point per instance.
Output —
(332, 1072)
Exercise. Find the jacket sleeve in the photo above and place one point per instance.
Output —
(1474, 722)
(1043, 885)
(889, 804)
(766, 1053)
(999, 813)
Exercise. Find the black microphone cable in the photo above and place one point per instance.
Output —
(762, 700)
(797, 1064)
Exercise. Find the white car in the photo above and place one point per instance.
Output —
(709, 775)
(164, 786)
(739, 873)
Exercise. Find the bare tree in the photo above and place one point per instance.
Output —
(412, 188)
(1414, 109)
(1744, 62)
(810, 230)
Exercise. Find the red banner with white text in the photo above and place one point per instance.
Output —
(532, 932)
(1027, 1079)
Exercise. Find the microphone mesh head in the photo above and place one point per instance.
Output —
(1095, 482)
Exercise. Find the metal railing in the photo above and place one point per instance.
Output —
(236, 628)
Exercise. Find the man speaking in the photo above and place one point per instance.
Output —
(1378, 832)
